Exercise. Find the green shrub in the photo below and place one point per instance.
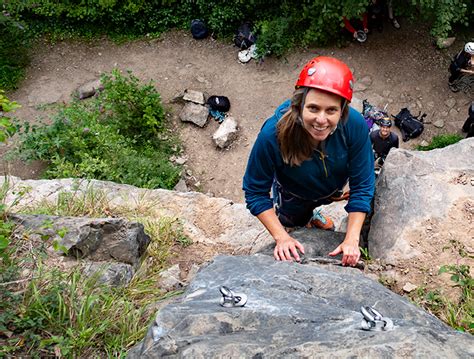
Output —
(440, 142)
(119, 136)
(280, 24)
(6, 127)
(13, 52)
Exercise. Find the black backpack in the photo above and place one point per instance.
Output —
(219, 103)
(409, 125)
(199, 29)
(244, 38)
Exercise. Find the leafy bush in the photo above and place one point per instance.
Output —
(445, 14)
(6, 127)
(441, 141)
(13, 52)
(281, 24)
(119, 136)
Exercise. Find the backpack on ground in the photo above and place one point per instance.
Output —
(199, 29)
(219, 103)
(244, 37)
(410, 126)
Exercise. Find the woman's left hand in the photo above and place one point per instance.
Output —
(350, 252)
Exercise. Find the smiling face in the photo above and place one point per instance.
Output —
(321, 113)
(384, 131)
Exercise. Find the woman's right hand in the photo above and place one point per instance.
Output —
(286, 249)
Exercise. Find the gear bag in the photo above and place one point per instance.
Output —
(410, 126)
(244, 38)
(199, 29)
(219, 103)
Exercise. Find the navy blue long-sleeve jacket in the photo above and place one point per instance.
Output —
(349, 156)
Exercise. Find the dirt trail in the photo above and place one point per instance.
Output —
(401, 67)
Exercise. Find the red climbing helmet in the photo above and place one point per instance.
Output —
(328, 74)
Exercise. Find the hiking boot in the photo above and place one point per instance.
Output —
(320, 221)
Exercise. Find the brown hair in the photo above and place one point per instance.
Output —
(296, 144)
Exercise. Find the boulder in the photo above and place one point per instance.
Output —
(194, 113)
(293, 311)
(226, 133)
(213, 221)
(99, 239)
(418, 190)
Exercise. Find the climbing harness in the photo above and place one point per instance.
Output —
(230, 300)
(373, 320)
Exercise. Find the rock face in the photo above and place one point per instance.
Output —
(207, 220)
(101, 239)
(417, 188)
(293, 311)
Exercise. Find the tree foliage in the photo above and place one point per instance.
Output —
(280, 24)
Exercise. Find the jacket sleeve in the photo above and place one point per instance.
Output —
(361, 166)
(259, 174)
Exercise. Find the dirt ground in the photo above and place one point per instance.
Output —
(398, 68)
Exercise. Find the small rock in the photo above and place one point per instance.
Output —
(194, 113)
(366, 80)
(445, 42)
(181, 186)
(374, 267)
(170, 279)
(424, 143)
(450, 102)
(409, 287)
(226, 133)
(194, 96)
(89, 89)
(438, 123)
(453, 112)
(180, 160)
(360, 87)
(386, 93)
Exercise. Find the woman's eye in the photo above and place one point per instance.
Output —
(332, 110)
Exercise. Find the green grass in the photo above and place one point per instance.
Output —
(458, 314)
(55, 313)
(440, 142)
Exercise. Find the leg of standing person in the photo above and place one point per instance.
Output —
(394, 21)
